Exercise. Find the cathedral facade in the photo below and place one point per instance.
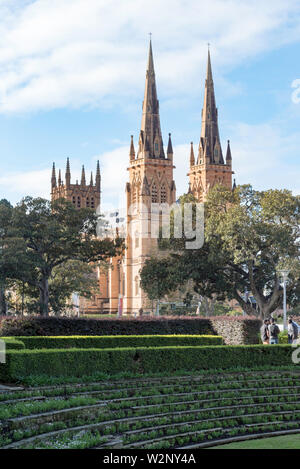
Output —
(150, 181)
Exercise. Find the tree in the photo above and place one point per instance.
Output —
(249, 236)
(72, 276)
(13, 260)
(55, 233)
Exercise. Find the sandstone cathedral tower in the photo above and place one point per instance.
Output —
(151, 181)
(81, 195)
(209, 168)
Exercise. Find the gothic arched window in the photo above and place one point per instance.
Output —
(87, 201)
(92, 202)
(154, 194)
(78, 201)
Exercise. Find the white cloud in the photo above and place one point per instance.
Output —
(70, 53)
(14, 186)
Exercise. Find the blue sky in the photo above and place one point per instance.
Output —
(72, 76)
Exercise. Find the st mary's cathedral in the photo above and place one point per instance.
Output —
(151, 180)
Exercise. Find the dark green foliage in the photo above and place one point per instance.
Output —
(13, 344)
(233, 330)
(283, 337)
(118, 341)
(50, 235)
(75, 362)
(249, 236)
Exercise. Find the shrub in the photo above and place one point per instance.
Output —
(82, 342)
(283, 337)
(234, 330)
(13, 344)
(140, 360)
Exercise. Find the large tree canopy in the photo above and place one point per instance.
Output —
(53, 234)
(249, 237)
(14, 263)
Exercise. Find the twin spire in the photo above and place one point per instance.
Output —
(150, 139)
(210, 150)
(59, 182)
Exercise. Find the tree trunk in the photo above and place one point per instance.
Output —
(44, 296)
(247, 307)
(23, 296)
(3, 309)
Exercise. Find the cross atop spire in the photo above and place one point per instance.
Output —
(209, 68)
(150, 68)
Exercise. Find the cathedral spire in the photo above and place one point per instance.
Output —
(92, 181)
(210, 146)
(192, 156)
(98, 177)
(228, 155)
(151, 143)
(132, 150)
(68, 174)
(53, 179)
(170, 147)
(59, 178)
(83, 180)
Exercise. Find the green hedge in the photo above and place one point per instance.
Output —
(81, 342)
(234, 330)
(140, 360)
(13, 344)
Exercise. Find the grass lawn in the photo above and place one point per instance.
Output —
(277, 442)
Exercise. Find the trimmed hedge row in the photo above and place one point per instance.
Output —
(13, 344)
(235, 330)
(81, 342)
(77, 363)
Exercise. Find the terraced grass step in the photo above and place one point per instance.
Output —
(132, 410)
(10, 388)
(144, 428)
(162, 390)
(157, 417)
(204, 378)
(225, 441)
(45, 417)
(172, 441)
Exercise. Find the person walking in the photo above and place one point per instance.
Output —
(293, 332)
(264, 332)
(274, 332)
